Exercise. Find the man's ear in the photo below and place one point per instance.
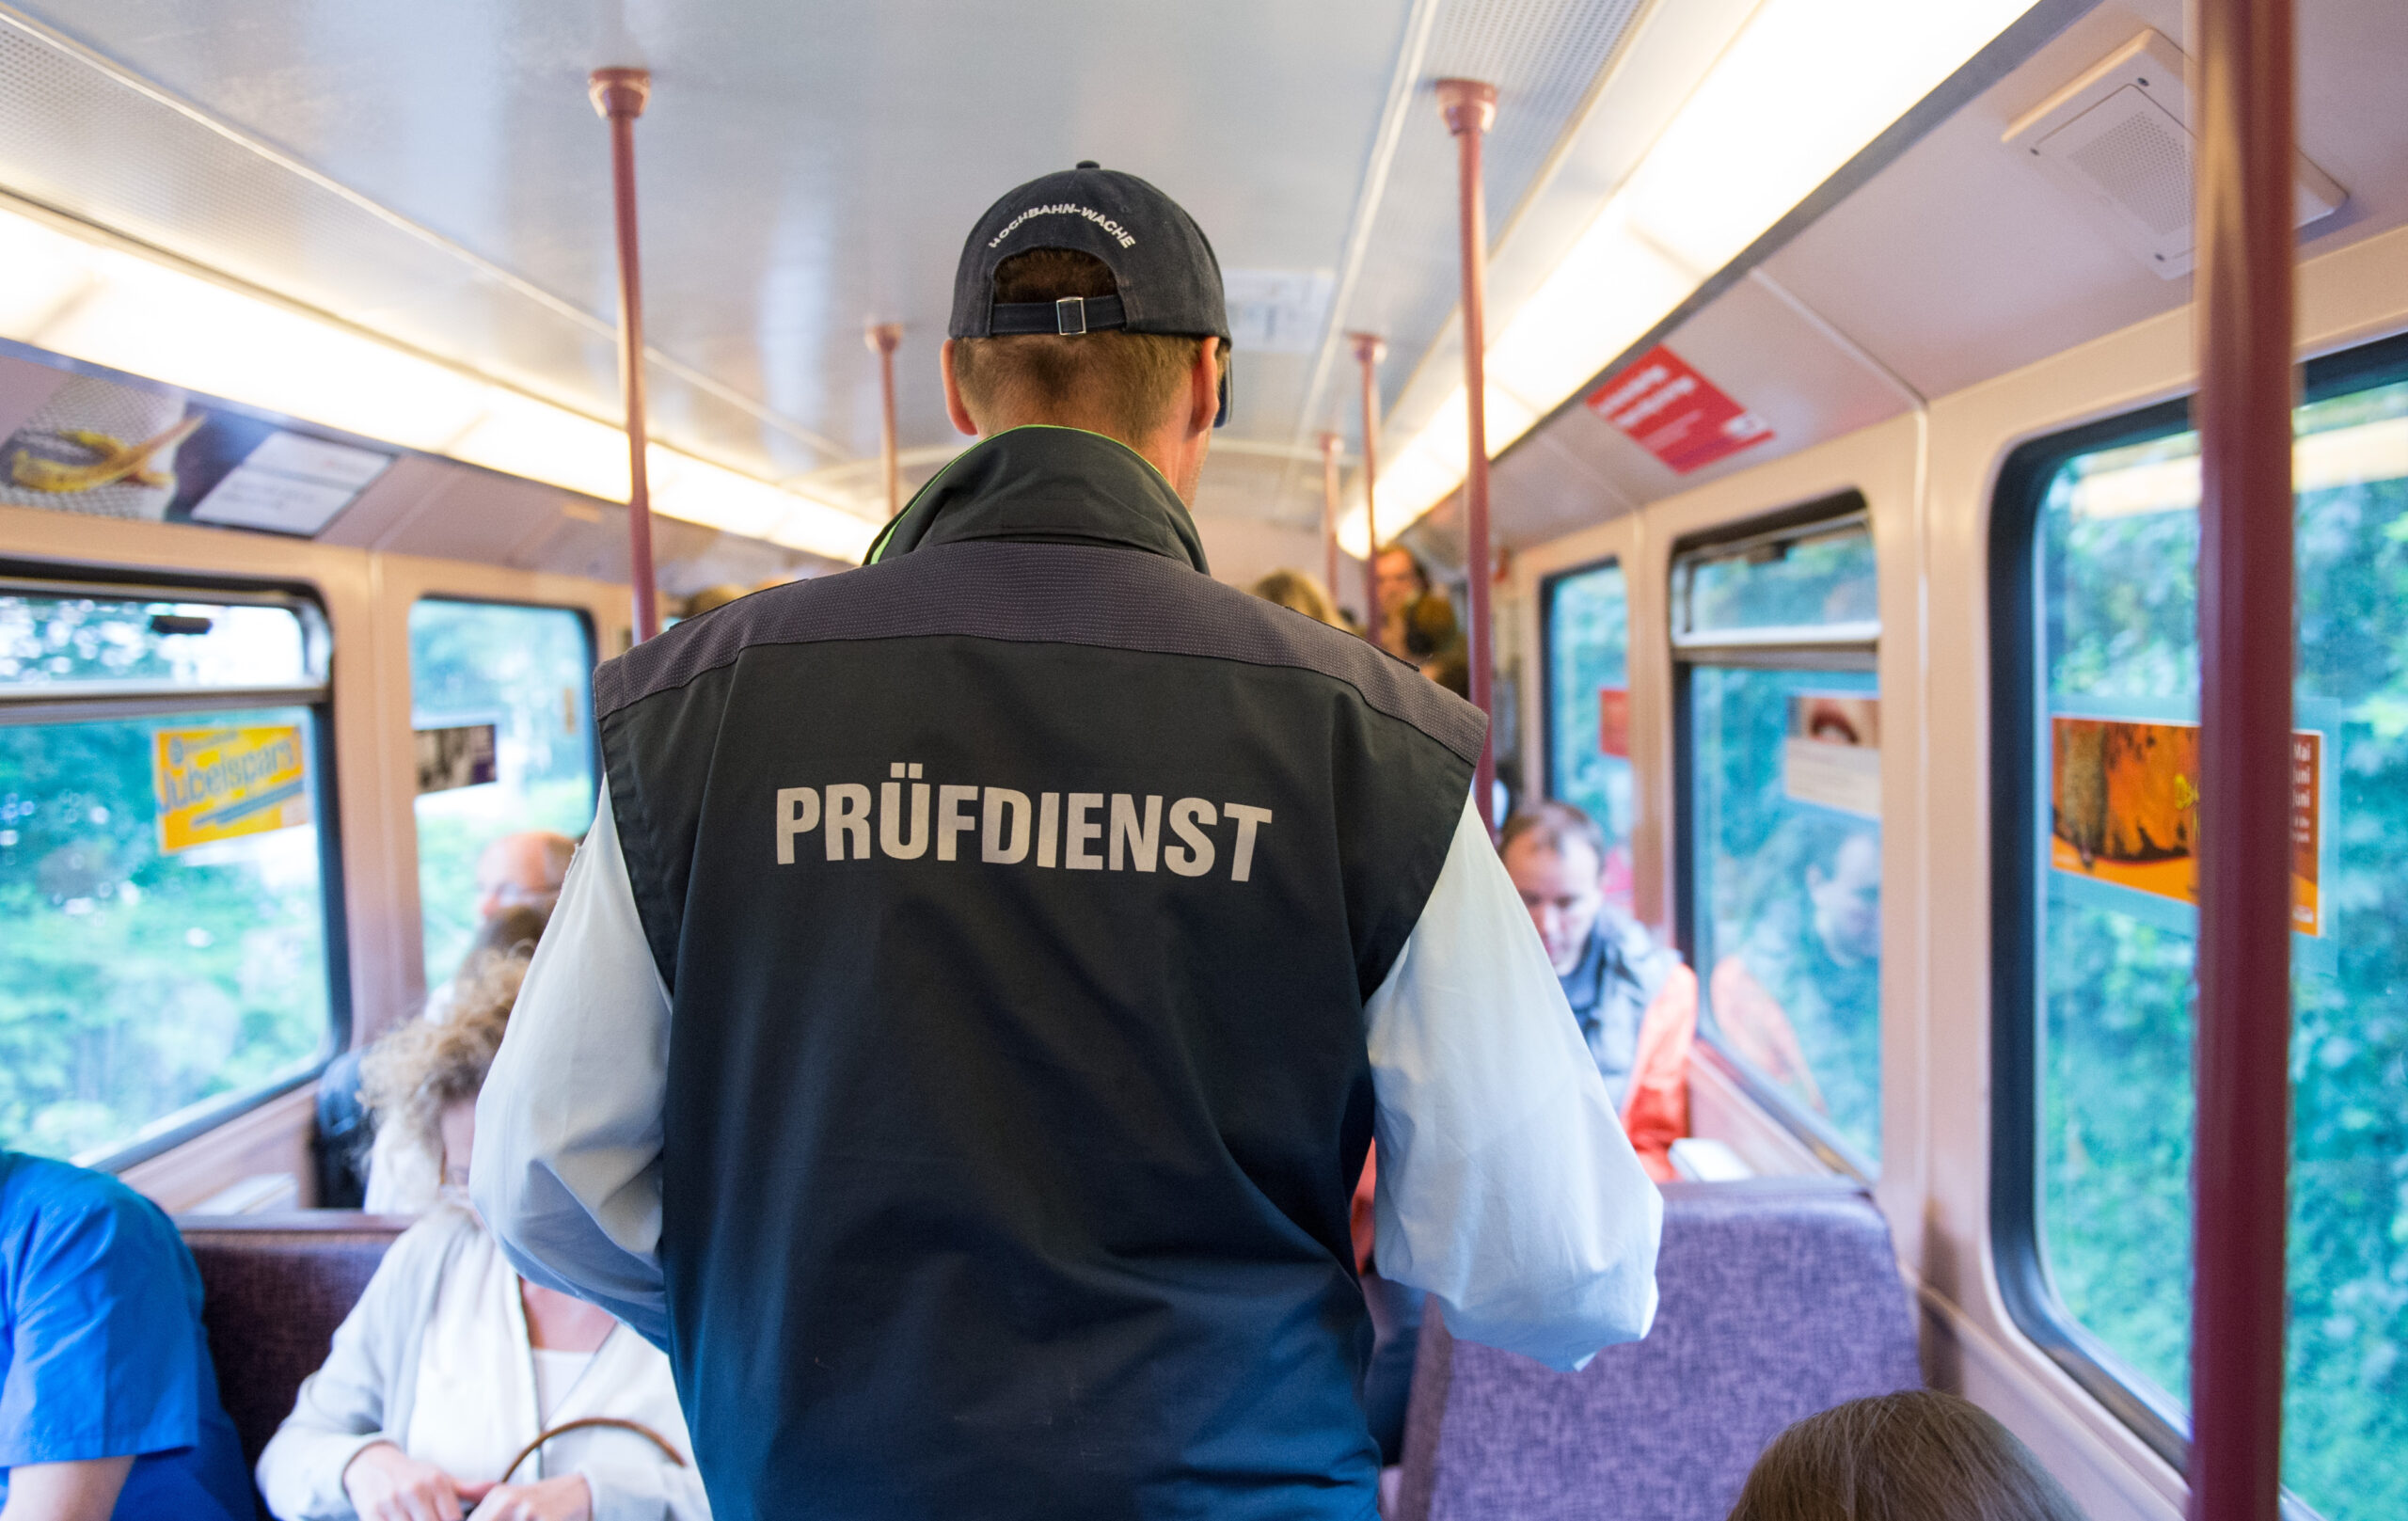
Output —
(954, 406)
(1204, 387)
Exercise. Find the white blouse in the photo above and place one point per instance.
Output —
(435, 1358)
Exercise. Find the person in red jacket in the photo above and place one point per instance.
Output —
(1636, 1003)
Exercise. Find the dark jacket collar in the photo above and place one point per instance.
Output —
(1047, 486)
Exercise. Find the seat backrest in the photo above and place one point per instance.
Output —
(275, 1288)
(1778, 1297)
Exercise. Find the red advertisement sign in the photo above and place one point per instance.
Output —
(1676, 414)
(1614, 721)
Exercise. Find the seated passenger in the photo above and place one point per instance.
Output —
(402, 1170)
(1299, 593)
(1636, 1003)
(108, 1402)
(1910, 1456)
(518, 880)
(451, 1366)
(1807, 976)
(522, 870)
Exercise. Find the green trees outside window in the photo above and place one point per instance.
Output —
(2117, 546)
(151, 975)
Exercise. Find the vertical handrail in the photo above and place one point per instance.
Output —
(1329, 447)
(620, 96)
(1470, 107)
(2242, 1147)
(884, 338)
(1369, 347)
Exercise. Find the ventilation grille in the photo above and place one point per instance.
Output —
(2142, 159)
(82, 137)
(2116, 137)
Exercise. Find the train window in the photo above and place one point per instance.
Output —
(1587, 633)
(165, 860)
(2098, 683)
(1774, 636)
(501, 698)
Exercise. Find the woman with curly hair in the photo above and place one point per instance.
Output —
(454, 1385)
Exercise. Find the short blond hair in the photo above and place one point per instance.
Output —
(1298, 593)
(1124, 383)
(413, 1074)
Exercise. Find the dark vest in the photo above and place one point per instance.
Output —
(1018, 896)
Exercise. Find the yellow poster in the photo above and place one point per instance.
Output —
(220, 783)
(2124, 805)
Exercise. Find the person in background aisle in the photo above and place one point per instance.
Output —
(1636, 1001)
(450, 1364)
(108, 1400)
(1403, 583)
(1916, 1455)
(1299, 593)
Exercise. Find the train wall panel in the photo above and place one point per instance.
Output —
(1931, 518)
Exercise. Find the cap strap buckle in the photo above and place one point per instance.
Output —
(1070, 315)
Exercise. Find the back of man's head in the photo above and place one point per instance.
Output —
(1554, 827)
(1117, 383)
(1084, 299)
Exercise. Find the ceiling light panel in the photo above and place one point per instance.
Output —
(1801, 90)
(80, 136)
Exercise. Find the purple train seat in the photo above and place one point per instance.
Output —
(274, 1289)
(1778, 1297)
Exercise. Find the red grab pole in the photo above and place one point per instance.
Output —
(619, 95)
(2242, 1150)
(1329, 447)
(1369, 347)
(1470, 107)
(883, 337)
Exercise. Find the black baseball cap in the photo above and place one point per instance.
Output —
(1168, 279)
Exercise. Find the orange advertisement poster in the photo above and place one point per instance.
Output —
(2124, 807)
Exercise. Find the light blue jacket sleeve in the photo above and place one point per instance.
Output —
(566, 1170)
(1506, 1187)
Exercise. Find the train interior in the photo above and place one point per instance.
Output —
(1844, 502)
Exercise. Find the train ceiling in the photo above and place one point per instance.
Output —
(434, 172)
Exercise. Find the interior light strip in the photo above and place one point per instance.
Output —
(1803, 89)
(107, 306)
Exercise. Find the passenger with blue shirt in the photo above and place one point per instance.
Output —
(108, 1402)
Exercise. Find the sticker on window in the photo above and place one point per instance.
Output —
(2124, 810)
(1832, 755)
(455, 757)
(222, 783)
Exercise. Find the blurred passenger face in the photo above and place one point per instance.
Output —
(515, 871)
(1848, 901)
(1399, 583)
(458, 1125)
(1564, 891)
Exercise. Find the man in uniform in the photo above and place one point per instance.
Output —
(962, 1031)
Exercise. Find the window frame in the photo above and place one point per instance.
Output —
(89, 702)
(593, 658)
(1549, 722)
(1851, 647)
(2018, 705)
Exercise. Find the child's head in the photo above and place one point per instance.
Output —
(1919, 1455)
